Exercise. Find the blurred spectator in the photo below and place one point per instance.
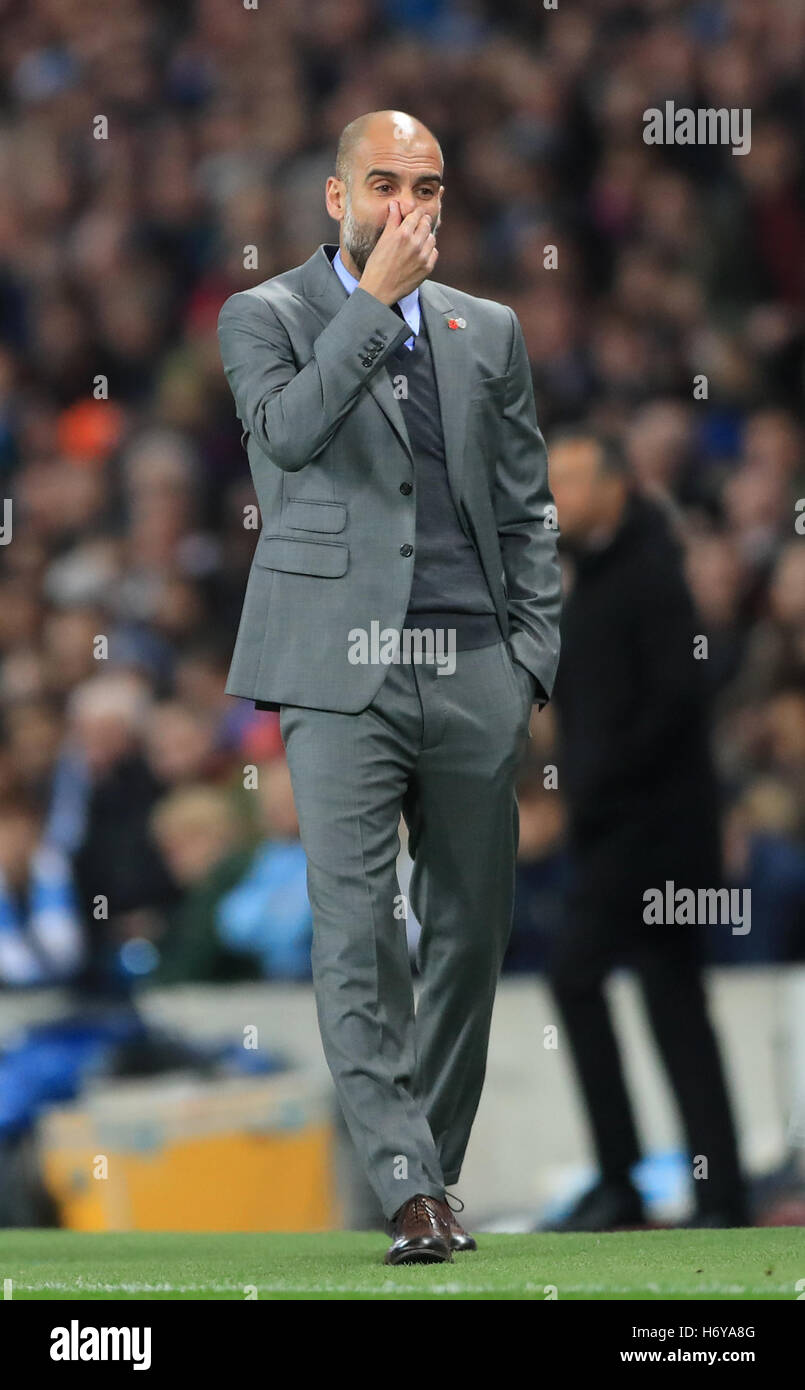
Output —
(244, 913)
(202, 842)
(764, 853)
(41, 933)
(267, 913)
(103, 793)
(179, 743)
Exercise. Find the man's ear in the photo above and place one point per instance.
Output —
(335, 197)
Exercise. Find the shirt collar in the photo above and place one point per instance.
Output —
(409, 304)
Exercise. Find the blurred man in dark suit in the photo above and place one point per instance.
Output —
(640, 787)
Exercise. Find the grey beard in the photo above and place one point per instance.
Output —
(361, 241)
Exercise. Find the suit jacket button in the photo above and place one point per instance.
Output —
(406, 488)
(406, 550)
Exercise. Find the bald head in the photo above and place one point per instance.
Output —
(386, 129)
(383, 156)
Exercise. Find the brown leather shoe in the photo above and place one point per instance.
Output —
(459, 1238)
(421, 1232)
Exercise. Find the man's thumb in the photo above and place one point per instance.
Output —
(394, 216)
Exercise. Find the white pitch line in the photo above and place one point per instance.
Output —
(52, 1286)
(395, 1288)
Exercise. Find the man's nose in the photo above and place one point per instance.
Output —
(407, 205)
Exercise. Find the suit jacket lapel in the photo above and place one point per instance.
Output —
(449, 350)
(326, 295)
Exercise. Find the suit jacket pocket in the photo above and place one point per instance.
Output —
(324, 559)
(303, 514)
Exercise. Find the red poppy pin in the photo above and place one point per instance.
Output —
(456, 323)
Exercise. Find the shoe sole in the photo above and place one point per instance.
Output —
(418, 1260)
(420, 1257)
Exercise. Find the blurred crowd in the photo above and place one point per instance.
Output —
(147, 828)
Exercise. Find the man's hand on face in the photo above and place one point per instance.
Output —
(404, 256)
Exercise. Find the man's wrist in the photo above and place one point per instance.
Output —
(375, 291)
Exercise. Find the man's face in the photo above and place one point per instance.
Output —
(384, 168)
(579, 487)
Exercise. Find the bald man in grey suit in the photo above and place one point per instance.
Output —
(402, 614)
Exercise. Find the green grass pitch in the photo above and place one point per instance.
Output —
(729, 1265)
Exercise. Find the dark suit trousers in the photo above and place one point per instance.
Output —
(666, 960)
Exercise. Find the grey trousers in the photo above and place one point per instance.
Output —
(444, 751)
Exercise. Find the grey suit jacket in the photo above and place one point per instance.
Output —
(329, 455)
